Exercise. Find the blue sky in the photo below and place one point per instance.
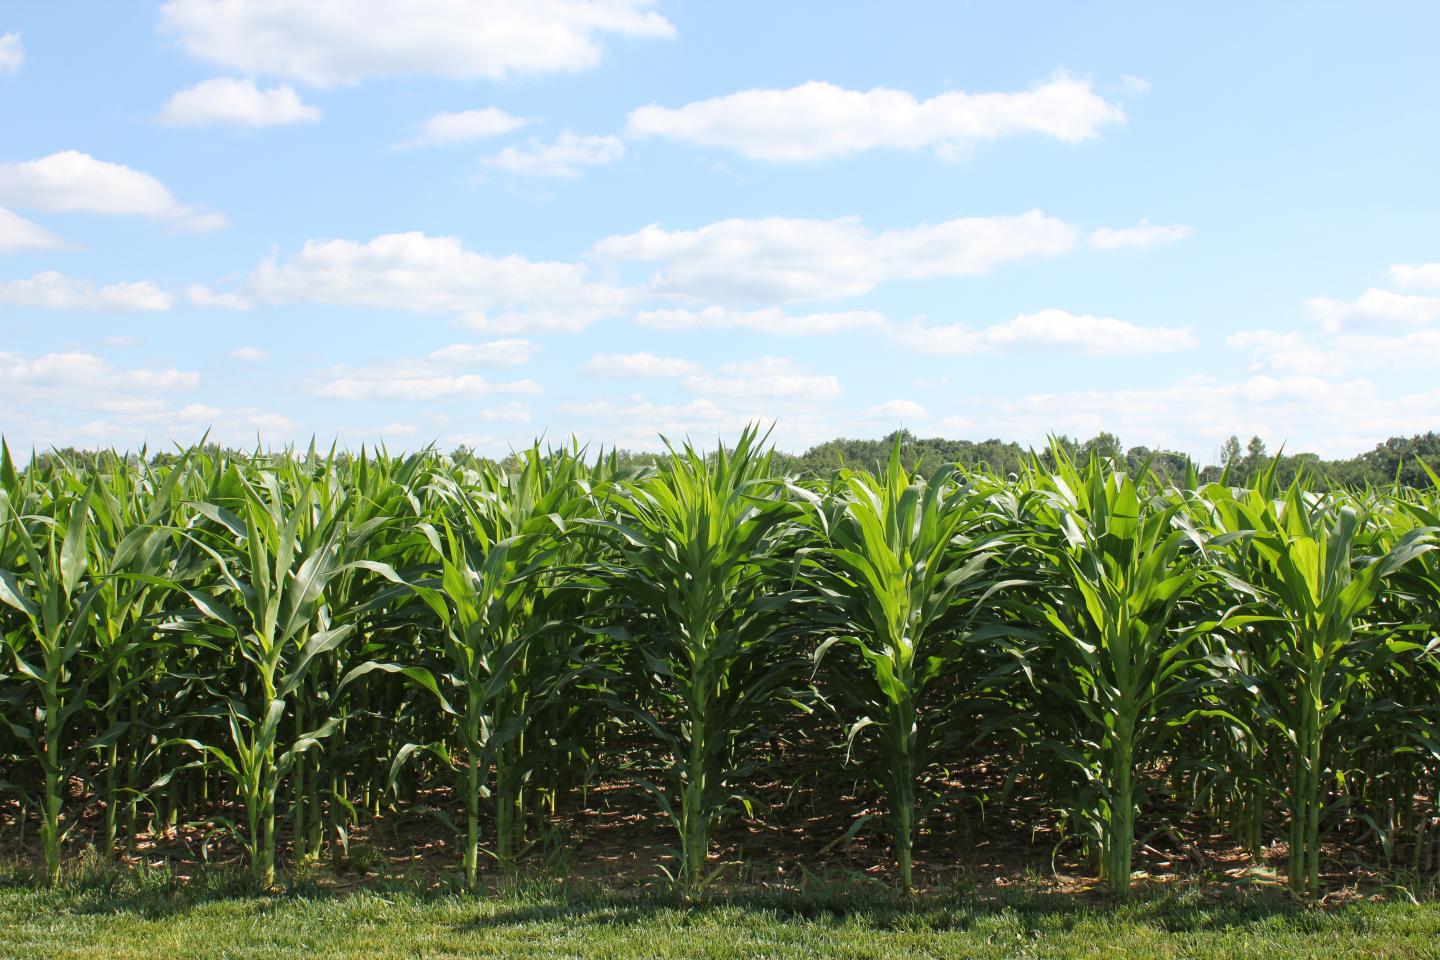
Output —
(466, 222)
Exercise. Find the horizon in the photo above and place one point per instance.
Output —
(638, 218)
(313, 446)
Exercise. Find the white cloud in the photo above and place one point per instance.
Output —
(817, 120)
(899, 410)
(325, 42)
(438, 376)
(952, 426)
(1048, 330)
(17, 233)
(566, 157)
(91, 419)
(12, 54)
(203, 296)
(1374, 308)
(464, 126)
(251, 354)
(232, 100)
(780, 259)
(511, 412)
(1133, 84)
(1142, 236)
(70, 181)
(52, 289)
(638, 423)
(1327, 416)
(1292, 353)
(639, 365)
(512, 352)
(1272, 351)
(401, 383)
(75, 375)
(1423, 276)
(143, 295)
(767, 377)
(771, 320)
(412, 271)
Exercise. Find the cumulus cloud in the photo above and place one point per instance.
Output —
(768, 377)
(771, 320)
(504, 353)
(1423, 276)
(1274, 351)
(235, 101)
(819, 120)
(416, 272)
(899, 410)
(638, 422)
(439, 375)
(1374, 309)
(639, 365)
(130, 424)
(329, 43)
(203, 296)
(780, 259)
(73, 374)
(1142, 236)
(12, 53)
(464, 126)
(70, 181)
(17, 233)
(413, 383)
(1048, 330)
(53, 289)
(1291, 353)
(566, 156)
(1328, 416)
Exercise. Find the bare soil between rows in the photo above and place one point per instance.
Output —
(613, 836)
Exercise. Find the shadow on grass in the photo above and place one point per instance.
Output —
(158, 894)
(1030, 912)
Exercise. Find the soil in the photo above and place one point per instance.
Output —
(800, 833)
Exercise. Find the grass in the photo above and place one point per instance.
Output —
(151, 914)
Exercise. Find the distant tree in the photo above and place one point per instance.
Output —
(1230, 452)
(1168, 466)
(1103, 446)
(1256, 459)
(1398, 458)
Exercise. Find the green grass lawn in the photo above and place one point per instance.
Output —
(152, 916)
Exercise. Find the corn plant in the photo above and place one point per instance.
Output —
(266, 585)
(45, 561)
(1315, 573)
(494, 544)
(907, 565)
(1121, 567)
(131, 550)
(185, 632)
(699, 588)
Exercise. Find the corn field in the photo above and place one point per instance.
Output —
(288, 645)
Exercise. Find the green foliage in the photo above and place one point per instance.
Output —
(903, 572)
(697, 574)
(285, 646)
